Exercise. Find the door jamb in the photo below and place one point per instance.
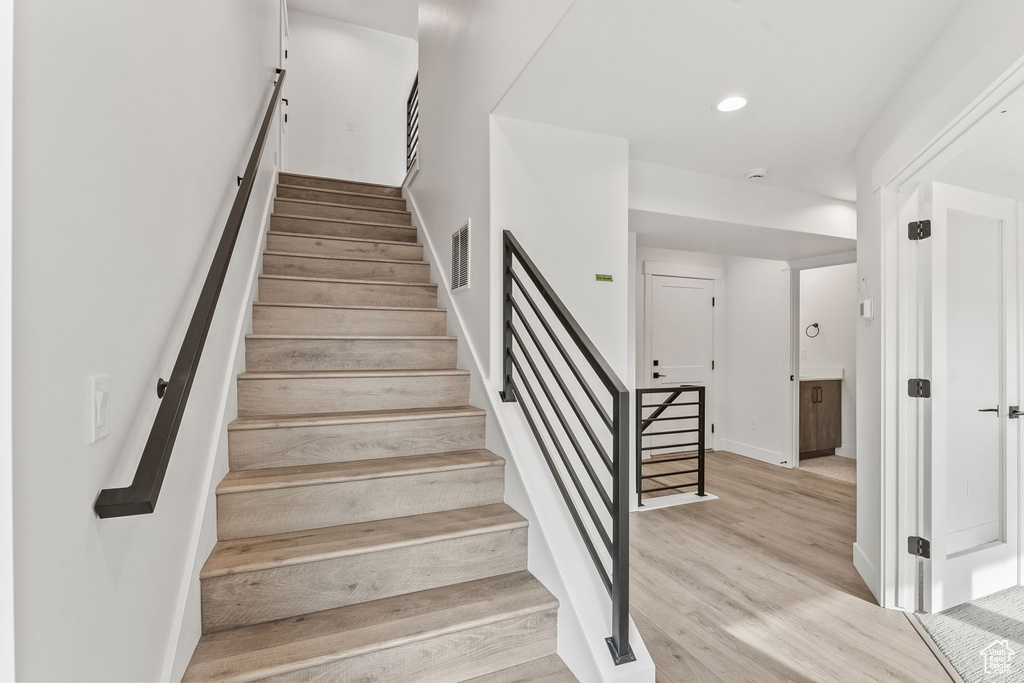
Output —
(900, 495)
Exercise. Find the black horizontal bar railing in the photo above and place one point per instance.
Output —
(687, 443)
(593, 482)
(140, 496)
(412, 124)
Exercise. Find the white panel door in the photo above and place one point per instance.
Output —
(681, 327)
(970, 354)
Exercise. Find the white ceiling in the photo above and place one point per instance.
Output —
(816, 73)
(731, 239)
(392, 16)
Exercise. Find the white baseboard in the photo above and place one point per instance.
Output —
(868, 571)
(755, 452)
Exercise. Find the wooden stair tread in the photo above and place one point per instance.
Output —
(354, 470)
(278, 233)
(342, 206)
(324, 374)
(299, 547)
(289, 645)
(338, 180)
(286, 304)
(340, 192)
(332, 257)
(346, 281)
(549, 669)
(278, 214)
(323, 419)
(358, 337)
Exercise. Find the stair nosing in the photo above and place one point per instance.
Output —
(349, 280)
(354, 337)
(255, 673)
(338, 180)
(306, 235)
(342, 220)
(343, 206)
(284, 304)
(306, 188)
(322, 555)
(334, 257)
(483, 459)
(253, 423)
(328, 374)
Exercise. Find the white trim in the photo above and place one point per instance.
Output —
(190, 580)
(840, 259)
(867, 570)
(755, 452)
(6, 319)
(674, 500)
(682, 270)
(410, 175)
(791, 404)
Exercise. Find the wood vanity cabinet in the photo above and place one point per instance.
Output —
(821, 417)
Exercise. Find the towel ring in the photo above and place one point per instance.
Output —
(817, 330)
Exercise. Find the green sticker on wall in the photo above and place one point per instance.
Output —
(603, 278)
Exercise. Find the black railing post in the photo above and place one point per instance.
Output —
(700, 442)
(639, 454)
(507, 395)
(619, 640)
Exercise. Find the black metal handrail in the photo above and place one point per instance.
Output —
(679, 427)
(585, 461)
(412, 124)
(140, 496)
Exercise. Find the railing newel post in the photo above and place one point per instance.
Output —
(507, 395)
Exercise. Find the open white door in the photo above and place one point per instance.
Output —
(969, 351)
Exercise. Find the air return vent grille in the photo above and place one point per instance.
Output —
(460, 258)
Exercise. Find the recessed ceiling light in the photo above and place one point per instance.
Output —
(732, 104)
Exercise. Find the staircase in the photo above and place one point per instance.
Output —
(362, 533)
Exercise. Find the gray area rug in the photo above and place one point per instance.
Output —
(832, 466)
(983, 639)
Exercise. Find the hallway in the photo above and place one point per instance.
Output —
(760, 585)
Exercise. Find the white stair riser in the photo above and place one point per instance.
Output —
(296, 396)
(280, 592)
(304, 266)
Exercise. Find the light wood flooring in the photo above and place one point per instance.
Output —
(760, 586)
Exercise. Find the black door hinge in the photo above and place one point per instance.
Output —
(919, 230)
(919, 388)
(712, 365)
(712, 427)
(712, 302)
(286, 54)
(919, 546)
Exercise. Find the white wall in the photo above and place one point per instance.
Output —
(756, 368)
(131, 122)
(980, 43)
(563, 194)
(470, 52)
(6, 472)
(828, 296)
(340, 74)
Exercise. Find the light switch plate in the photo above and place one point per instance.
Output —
(99, 407)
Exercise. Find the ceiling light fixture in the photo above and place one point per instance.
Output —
(732, 104)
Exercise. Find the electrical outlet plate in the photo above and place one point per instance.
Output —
(99, 407)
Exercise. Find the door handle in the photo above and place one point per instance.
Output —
(1015, 412)
(657, 375)
(990, 410)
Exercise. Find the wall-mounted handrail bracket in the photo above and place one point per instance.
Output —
(140, 497)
